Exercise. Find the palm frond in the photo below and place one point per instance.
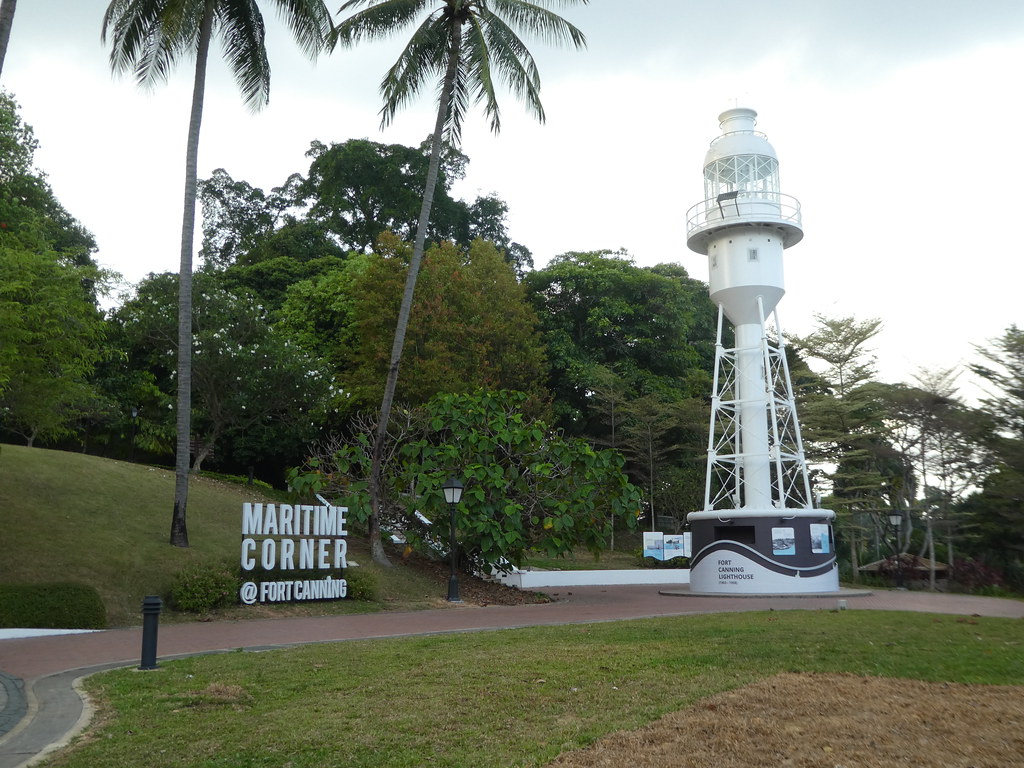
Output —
(477, 54)
(239, 24)
(148, 36)
(490, 44)
(378, 21)
(458, 105)
(309, 22)
(537, 21)
(424, 57)
(514, 63)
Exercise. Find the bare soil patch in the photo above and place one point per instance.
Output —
(827, 721)
(472, 589)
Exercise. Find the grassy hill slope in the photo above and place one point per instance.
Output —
(71, 517)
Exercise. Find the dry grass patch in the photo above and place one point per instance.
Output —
(827, 721)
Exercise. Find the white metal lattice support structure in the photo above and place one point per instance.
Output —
(789, 479)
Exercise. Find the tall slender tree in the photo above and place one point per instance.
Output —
(461, 46)
(147, 38)
(7, 8)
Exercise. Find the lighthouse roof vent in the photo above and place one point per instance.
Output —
(738, 136)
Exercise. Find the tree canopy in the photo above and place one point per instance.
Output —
(51, 329)
(527, 487)
(647, 325)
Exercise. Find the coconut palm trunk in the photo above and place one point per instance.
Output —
(472, 40)
(6, 20)
(377, 499)
(179, 529)
(148, 37)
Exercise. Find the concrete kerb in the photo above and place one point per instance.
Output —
(841, 594)
(56, 711)
(13, 704)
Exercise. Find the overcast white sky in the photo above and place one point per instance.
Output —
(896, 123)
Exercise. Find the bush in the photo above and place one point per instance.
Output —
(973, 575)
(653, 562)
(201, 587)
(58, 605)
(361, 584)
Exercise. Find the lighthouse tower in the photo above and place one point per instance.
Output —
(759, 531)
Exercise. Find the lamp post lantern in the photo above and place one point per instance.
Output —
(896, 520)
(453, 495)
(135, 421)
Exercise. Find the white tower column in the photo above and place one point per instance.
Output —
(755, 463)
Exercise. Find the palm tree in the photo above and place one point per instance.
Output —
(460, 45)
(147, 39)
(6, 20)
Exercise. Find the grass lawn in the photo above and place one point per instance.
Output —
(507, 698)
(72, 517)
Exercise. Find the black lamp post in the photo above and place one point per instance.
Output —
(896, 520)
(453, 495)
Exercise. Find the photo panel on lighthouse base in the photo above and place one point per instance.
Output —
(763, 556)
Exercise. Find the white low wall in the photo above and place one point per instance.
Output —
(538, 579)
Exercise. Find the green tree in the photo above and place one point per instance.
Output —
(51, 337)
(660, 439)
(51, 329)
(935, 436)
(653, 328)
(147, 39)
(1002, 372)
(360, 189)
(527, 486)
(319, 313)
(487, 221)
(253, 385)
(842, 415)
(238, 217)
(471, 327)
(31, 217)
(460, 45)
(996, 513)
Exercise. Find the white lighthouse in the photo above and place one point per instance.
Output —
(759, 531)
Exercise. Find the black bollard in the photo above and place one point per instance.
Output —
(151, 605)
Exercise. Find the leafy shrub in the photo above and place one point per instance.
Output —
(58, 605)
(262, 486)
(992, 590)
(362, 585)
(972, 575)
(653, 562)
(202, 587)
(1013, 572)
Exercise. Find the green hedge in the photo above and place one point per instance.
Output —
(653, 562)
(204, 587)
(58, 605)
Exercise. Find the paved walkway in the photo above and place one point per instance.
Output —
(40, 708)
